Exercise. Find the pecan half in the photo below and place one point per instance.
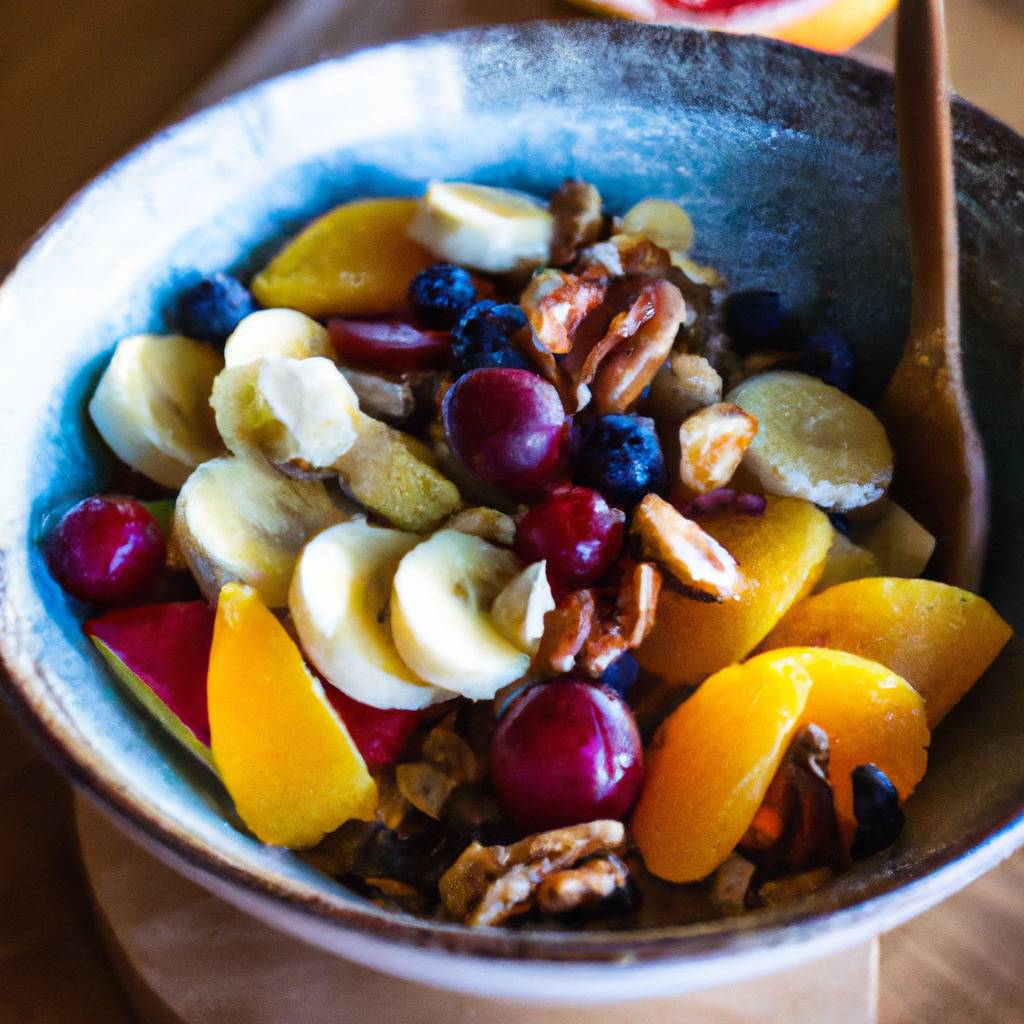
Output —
(556, 303)
(489, 884)
(576, 209)
(566, 628)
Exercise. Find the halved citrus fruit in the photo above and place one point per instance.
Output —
(830, 25)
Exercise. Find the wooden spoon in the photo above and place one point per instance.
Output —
(939, 458)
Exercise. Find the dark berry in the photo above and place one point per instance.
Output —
(621, 458)
(483, 337)
(876, 806)
(440, 295)
(106, 549)
(576, 532)
(841, 521)
(756, 319)
(213, 308)
(621, 674)
(828, 355)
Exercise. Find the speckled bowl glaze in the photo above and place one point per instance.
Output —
(786, 160)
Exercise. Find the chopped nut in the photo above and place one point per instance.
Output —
(488, 885)
(604, 645)
(487, 523)
(711, 445)
(392, 806)
(783, 890)
(583, 886)
(625, 254)
(566, 629)
(381, 397)
(556, 303)
(635, 611)
(730, 884)
(576, 208)
(449, 752)
(683, 385)
(692, 556)
(425, 786)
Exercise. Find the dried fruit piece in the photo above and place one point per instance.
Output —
(846, 561)
(661, 221)
(519, 610)
(690, 554)
(282, 332)
(711, 445)
(781, 554)
(711, 763)
(937, 637)
(487, 523)
(814, 442)
(900, 544)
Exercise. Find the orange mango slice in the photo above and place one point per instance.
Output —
(282, 752)
(710, 765)
(356, 260)
(780, 555)
(939, 638)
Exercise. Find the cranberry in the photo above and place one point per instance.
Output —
(506, 426)
(389, 345)
(380, 734)
(576, 531)
(566, 752)
(106, 549)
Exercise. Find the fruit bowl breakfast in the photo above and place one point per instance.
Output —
(478, 540)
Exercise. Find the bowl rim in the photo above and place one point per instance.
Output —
(885, 905)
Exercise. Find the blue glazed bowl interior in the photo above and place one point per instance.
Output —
(786, 162)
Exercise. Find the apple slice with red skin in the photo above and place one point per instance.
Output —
(393, 345)
(161, 653)
(381, 734)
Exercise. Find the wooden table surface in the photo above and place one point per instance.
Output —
(81, 80)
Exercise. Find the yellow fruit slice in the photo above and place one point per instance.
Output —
(871, 715)
(283, 754)
(712, 762)
(939, 638)
(780, 555)
(356, 260)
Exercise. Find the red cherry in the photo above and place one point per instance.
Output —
(506, 426)
(106, 549)
(576, 531)
(389, 345)
(566, 752)
(380, 734)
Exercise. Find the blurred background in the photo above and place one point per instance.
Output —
(83, 80)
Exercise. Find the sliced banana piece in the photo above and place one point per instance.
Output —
(441, 602)
(238, 520)
(814, 441)
(339, 602)
(152, 405)
(661, 221)
(519, 609)
(283, 332)
(490, 229)
(299, 414)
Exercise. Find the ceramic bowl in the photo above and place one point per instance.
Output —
(785, 159)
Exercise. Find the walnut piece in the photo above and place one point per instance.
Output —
(711, 445)
(692, 556)
(583, 886)
(489, 884)
(556, 303)
(566, 628)
(576, 209)
(635, 610)
(730, 884)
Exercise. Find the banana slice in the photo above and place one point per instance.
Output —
(339, 601)
(237, 520)
(152, 405)
(299, 414)
(519, 609)
(283, 332)
(814, 442)
(491, 229)
(441, 601)
(661, 221)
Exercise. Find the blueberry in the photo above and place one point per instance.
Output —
(212, 309)
(621, 674)
(828, 355)
(483, 337)
(841, 521)
(756, 319)
(621, 458)
(876, 806)
(440, 295)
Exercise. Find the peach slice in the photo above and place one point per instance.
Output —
(780, 555)
(711, 763)
(282, 752)
(938, 637)
(355, 260)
